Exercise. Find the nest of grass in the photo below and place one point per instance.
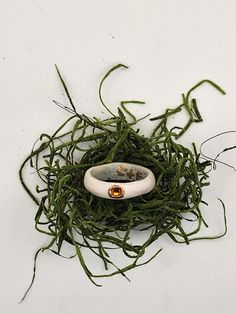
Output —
(67, 212)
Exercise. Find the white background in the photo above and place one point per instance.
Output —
(169, 46)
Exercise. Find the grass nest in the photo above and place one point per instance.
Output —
(68, 213)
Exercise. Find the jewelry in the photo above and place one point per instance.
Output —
(119, 180)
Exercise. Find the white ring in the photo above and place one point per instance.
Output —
(119, 180)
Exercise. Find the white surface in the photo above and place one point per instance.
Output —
(169, 45)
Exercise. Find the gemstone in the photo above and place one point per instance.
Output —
(116, 191)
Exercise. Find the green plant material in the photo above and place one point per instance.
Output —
(68, 213)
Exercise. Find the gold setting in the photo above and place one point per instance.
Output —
(116, 191)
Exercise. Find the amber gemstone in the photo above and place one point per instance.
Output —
(116, 191)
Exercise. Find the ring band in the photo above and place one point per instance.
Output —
(119, 180)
